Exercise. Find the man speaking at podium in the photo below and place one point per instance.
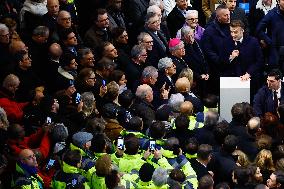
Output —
(245, 58)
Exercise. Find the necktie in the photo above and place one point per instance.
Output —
(275, 100)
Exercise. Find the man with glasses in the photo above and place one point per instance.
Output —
(99, 32)
(152, 27)
(26, 175)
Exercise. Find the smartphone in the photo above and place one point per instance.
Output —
(104, 83)
(78, 98)
(152, 145)
(50, 164)
(120, 143)
(48, 120)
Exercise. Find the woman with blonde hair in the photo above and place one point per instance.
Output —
(242, 158)
(188, 73)
(264, 161)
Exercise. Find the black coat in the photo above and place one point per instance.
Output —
(200, 169)
(144, 110)
(175, 21)
(160, 46)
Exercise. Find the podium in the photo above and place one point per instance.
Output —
(232, 91)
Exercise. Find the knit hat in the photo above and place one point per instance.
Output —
(81, 138)
(174, 42)
(146, 171)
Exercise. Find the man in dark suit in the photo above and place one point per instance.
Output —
(269, 96)
(199, 164)
(245, 57)
(166, 70)
(213, 40)
(176, 18)
(152, 27)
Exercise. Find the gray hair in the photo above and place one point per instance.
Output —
(153, 9)
(175, 101)
(164, 63)
(3, 118)
(156, 2)
(137, 50)
(185, 31)
(3, 28)
(160, 176)
(190, 12)
(10, 81)
(149, 71)
(141, 36)
(41, 31)
(142, 90)
(149, 15)
(83, 52)
(171, 49)
(88, 100)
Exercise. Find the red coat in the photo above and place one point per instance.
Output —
(13, 109)
(38, 140)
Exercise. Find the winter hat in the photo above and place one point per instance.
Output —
(146, 171)
(81, 138)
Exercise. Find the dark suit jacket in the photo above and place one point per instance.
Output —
(162, 79)
(175, 21)
(263, 100)
(250, 59)
(196, 102)
(159, 47)
(195, 57)
(214, 41)
(199, 169)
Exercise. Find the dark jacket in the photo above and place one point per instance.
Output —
(214, 41)
(250, 59)
(175, 21)
(274, 22)
(263, 100)
(145, 110)
(195, 57)
(160, 46)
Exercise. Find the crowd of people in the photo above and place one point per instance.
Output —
(109, 94)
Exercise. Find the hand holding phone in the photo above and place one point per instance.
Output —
(152, 145)
(120, 143)
(48, 120)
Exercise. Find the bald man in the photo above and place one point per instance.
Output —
(49, 19)
(26, 176)
(186, 108)
(183, 87)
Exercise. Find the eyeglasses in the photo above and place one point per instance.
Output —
(103, 20)
(155, 22)
(66, 19)
(93, 78)
(5, 35)
(192, 19)
(143, 55)
(148, 42)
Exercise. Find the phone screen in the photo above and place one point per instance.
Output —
(48, 120)
(50, 163)
(152, 145)
(78, 98)
(120, 143)
(104, 83)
